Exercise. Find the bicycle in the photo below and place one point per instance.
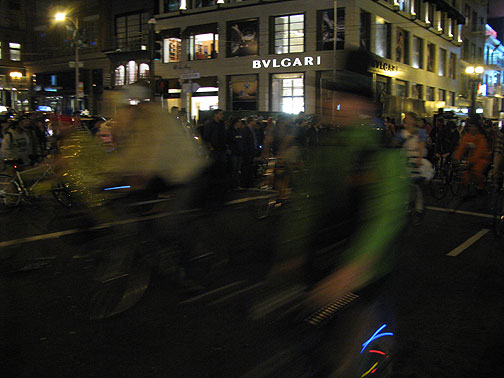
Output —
(14, 190)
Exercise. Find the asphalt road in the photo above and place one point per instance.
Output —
(443, 301)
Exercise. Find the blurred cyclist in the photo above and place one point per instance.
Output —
(473, 146)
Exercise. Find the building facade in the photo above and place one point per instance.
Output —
(273, 55)
(14, 81)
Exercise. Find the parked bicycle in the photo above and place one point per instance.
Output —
(14, 190)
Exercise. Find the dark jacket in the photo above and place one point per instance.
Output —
(235, 141)
(249, 144)
(215, 134)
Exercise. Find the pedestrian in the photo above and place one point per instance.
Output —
(215, 136)
(249, 152)
(235, 142)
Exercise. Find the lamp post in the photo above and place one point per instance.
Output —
(474, 72)
(62, 17)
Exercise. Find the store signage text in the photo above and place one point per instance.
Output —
(384, 66)
(286, 62)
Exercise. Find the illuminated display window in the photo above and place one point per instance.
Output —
(287, 93)
(15, 51)
(383, 38)
(172, 50)
(119, 74)
(417, 53)
(203, 46)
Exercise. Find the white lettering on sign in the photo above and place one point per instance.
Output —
(287, 62)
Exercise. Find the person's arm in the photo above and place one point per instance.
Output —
(461, 148)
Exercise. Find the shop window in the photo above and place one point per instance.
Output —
(119, 75)
(244, 38)
(243, 92)
(287, 93)
(15, 51)
(442, 62)
(417, 53)
(431, 50)
(365, 30)
(325, 29)
(203, 46)
(131, 72)
(430, 94)
(452, 66)
(143, 71)
(401, 88)
(172, 49)
(402, 48)
(417, 91)
(382, 86)
(452, 98)
(288, 34)
(383, 36)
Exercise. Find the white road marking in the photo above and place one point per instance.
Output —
(234, 294)
(55, 235)
(463, 212)
(208, 293)
(473, 239)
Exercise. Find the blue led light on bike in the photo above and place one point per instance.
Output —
(375, 336)
(118, 187)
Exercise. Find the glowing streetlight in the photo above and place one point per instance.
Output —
(474, 72)
(62, 17)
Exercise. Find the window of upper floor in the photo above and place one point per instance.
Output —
(203, 46)
(15, 51)
(243, 37)
(132, 31)
(288, 34)
(326, 29)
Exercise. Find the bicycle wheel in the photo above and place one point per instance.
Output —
(10, 193)
(62, 194)
(438, 184)
(455, 181)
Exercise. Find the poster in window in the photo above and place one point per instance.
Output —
(244, 91)
(244, 38)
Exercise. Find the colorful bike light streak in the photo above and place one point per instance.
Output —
(375, 336)
(370, 371)
(118, 187)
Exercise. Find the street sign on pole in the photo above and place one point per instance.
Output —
(72, 64)
(190, 75)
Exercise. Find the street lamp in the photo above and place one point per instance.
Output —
(62, 17)
(474, 72)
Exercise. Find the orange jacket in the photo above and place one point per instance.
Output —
(479, 147)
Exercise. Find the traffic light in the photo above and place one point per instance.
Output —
(157, 51)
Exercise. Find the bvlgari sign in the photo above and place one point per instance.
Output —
(286, 62)
(383, 66)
